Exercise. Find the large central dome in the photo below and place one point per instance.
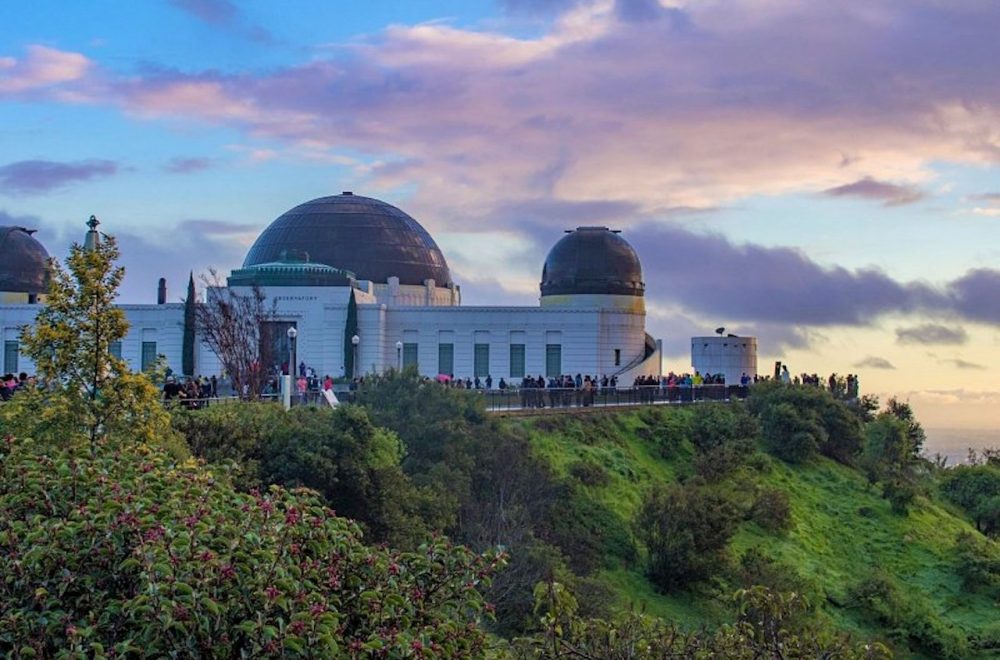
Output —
(368, 237)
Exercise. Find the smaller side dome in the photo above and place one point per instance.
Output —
(592, 260)
(24, 262)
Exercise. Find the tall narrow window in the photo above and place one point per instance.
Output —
(618, 357)
(10, 351)
(446, 359)
(553, 360)
(517, 360)
(481, 360)
(409, 354)
(148, 354)
(115, 348)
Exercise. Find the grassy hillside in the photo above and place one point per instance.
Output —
(841, 529)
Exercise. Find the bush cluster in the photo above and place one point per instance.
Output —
(121, 552)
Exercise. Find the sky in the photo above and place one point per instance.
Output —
(822, 175)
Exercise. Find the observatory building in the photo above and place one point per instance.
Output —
(358, 277)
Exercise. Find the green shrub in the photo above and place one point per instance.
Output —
(339, 453)
(686, 530)
(977, 560)
(590, 535)
(589, 473)
(122, 552)
(976, 488)
(820, 422)
(718, 425)
(772, 510)
(908, 616)
(789, 434)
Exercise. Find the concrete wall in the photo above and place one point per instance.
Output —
(731, 356)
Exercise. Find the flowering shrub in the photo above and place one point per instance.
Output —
(124, 553)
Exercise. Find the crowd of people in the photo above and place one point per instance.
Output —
(11, 384)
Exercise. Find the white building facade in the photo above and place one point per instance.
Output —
(312, 260)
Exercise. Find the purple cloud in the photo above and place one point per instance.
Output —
(187, 165)
(200, 227)
(709, 274)
(223, 13)
(874, 362)
(976, 295)
(932, 333)
(889, 194)
(215, 12)
(31, 177)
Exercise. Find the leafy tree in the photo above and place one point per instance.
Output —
(887, 447)
(978, 562)
(770, 625)
(126, 553)
(190, 320)
(340, 453)
(976, 488)
(914, 431)
(686, 530)
(233, 325)
(86, 389)
(791, 434)
(817, 421)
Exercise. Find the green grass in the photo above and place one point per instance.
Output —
(842, 528)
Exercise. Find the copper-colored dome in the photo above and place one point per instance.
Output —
(592, 260)
(24, 262)
(370, 238)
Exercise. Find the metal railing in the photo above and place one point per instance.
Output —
(602, 397)
(532, 398)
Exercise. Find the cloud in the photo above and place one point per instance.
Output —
(707, 273)
(222, 13)
(889, 194)
(974, 295)
(42, 68)
(873, 362)
(31, 177)
(200, 227)
(663, 112)
(216, 12)
(187, 165)
(931, 333)
(959, 363)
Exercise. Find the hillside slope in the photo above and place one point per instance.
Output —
(842, 531)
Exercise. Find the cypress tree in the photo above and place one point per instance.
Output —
(187, 349)
(350, 329)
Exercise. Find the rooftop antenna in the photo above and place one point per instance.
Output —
(720, 331)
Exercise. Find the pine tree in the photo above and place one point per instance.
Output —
(350, 329)
(187, 349)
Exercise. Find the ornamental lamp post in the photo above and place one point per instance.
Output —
(355, 340)
(399, 356)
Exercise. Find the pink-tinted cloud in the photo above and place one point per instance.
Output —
(42, 68)
(617, 102)
(890, 194)
(628, 102)
(32, 177)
